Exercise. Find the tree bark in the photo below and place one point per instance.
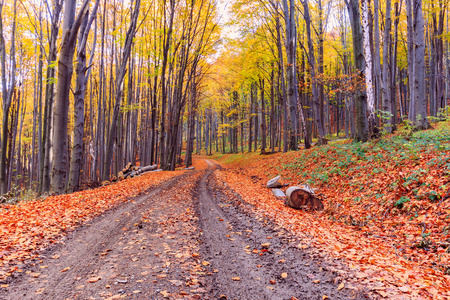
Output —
(360, 97)
(167, 42)
(420, 117)
(312, 71)
(291, 49)
(385, 96)
(411, 60)
(65, 70)
(377, 56)
(283, 87)
(263, 117)
(368, 63)
(121, 71)
(7, 93)
(80, 91)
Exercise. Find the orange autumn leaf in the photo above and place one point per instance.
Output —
(94, 279)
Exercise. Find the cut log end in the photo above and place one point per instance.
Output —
(298, 197)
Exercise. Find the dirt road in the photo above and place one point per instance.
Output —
(188, 238)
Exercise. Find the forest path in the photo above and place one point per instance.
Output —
(186, 238)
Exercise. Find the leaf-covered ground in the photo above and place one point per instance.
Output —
(28, 227)
(386, 211)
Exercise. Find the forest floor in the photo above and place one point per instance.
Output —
(189, 236)
(218, 233)
(387, 206)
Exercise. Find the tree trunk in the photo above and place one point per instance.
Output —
(377, 56)
(256, 115)
(167, 42)
(311, 61)
(368, 63)
(250, 121)
(121, 71)
(283, 87)
(80, 91)
(272, 111)
(360, 111)
(393, 59)
(411, 61)
(49, 99)
(420, 118)
(7, 93)
(291, 49)
(385, 96)
(263, 117)
(320, 68)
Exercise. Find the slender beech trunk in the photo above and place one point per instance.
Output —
(250, 122)
(320, 66)
(368, 63)
(377, 56)
(291, 49)
(167, 42)
(312, 64)
(80, 91)
(360, 97)
(385, 95)
(411, 60)
(47, 133)
(283, 87)
(393, 90)
(263, 117)
(121, 71)
(61, 113)
(272, 110)
(256, 119)
(7, 93)
(420, 117)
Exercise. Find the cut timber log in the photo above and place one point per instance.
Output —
(131, 171)
(274, 183)
(297, 197)
(131, 175)
(278, 193)
(190, 168)
(149, 168)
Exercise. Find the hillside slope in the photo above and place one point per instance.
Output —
(389, 195)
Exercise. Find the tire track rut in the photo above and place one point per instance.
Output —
(238, 245)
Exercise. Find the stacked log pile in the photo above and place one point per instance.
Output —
(131, 171)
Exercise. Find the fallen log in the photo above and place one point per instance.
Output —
(298, 197)
(148, 168)
(127, 168)
(131, 175)
(274, 183)
(278, 193)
